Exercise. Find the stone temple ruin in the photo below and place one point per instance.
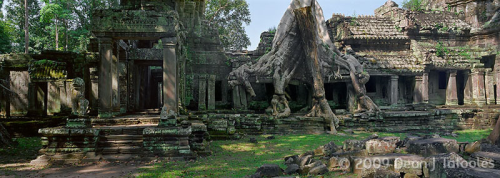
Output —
(157, 82)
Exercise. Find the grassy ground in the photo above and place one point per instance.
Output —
(239, 158)
(25, 150)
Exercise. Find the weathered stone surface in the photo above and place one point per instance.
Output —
(353, 145)
(318, 170)
(452, 165)
(291, 169)
(488, 160)
(339, 164)
(382, 146)
(429, 147)
(270, 170)
(473, 147)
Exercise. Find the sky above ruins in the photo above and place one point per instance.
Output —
(267, 13)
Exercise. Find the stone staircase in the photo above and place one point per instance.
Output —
(118, 143)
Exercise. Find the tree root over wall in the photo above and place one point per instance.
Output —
(302, 50)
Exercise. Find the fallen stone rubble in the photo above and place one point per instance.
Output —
(414, 156)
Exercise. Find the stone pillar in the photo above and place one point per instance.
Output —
(468, 88)
(94, 91)
(490, 87)
(53, 98)
(394, 89)
(115, 83)
(236, 98)
(417, 91)
(202, 92)
(5, 95)
(478, 91)
(211, 92)
(451, 89)
(425, 87)
(170, 74)
(497, 83)
(105, 76)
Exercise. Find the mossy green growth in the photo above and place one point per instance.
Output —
(258, 105)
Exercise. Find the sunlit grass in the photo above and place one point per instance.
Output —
(239, 158)
(470, 135)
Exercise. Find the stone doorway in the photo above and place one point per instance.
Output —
(148, 85)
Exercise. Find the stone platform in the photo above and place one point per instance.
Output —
(139, 136)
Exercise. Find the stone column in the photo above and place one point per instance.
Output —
(451, 89)
(478, 91)
(394, 89)
(211, 92)
(5, 95)
(170, 74)
(417, 91)
(490, 87)
(115, 82)
(236, 98)
(425, 87)
(105, 76)
(94, 90)
(202, 92)
(497, 83)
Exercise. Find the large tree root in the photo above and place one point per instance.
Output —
(321, 108)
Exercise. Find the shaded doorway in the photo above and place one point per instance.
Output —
(148, 76)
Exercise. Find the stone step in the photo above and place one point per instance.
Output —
(119, 143)
(122, 137)
(122, 150)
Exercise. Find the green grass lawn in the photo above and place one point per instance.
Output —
(239, 158)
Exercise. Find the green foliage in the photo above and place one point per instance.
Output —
(272, 30)
(333, 105)
(5, 42)
(258, 105)
(414, 5)
(229, 17)
(398, 28)
(441, 50)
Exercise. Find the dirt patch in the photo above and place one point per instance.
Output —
(103, 169)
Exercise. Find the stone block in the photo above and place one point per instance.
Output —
(380, 146)
(270, 170)
(433, 146)
(353, 145)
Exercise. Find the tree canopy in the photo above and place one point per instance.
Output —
(229, 16)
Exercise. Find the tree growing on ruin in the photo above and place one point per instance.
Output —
(302, 50)
(229, 16)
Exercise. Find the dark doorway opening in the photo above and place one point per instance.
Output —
(148, 85)
(461, 87)
(442, 80)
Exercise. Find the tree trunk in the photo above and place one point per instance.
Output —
(57, 36)
(5, 139)
(302, 50)
(26, 28)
